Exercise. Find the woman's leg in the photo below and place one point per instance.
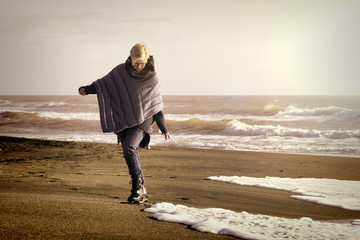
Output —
(130, 144)
(130, 141)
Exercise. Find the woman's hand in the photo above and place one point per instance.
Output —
(167, 136)
(82, 91)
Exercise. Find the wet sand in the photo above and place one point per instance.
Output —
(74, 190)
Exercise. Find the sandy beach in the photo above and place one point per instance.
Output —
(78, 190)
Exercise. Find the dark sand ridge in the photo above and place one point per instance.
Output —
(73, 190)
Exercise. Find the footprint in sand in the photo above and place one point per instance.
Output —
(54, 180)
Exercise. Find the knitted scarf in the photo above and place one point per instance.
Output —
(145, 73)
(125, 101)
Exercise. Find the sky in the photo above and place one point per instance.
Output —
(222, 47)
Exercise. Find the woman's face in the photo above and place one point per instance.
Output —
(139, 65)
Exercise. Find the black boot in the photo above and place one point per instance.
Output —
(138, 192)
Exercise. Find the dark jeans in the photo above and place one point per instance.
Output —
(130, 140)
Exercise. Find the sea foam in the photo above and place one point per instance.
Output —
(252, 226)
(338, 193)
(332, 192)
(239, 128)
(298, 124)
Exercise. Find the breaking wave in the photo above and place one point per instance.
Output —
(261, 123)
(231, 127)
(239, 128)
(317, 111)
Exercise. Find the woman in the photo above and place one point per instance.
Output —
(129, 103)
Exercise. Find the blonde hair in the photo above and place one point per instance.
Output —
(139, 52)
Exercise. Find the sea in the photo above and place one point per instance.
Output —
(316, 125)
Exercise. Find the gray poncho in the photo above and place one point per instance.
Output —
(125, 101)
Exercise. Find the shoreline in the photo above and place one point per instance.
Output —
(172, 146)
(63, 189)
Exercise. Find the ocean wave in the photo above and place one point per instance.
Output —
(239, 128)
(8, 116)
(316, 111)
(71, 115)
(203, 117)
(227, 127)
(38, 104)
(275, 113)
(299, 124)
(55, 104)
(195, 125)
(35, 122)
(272, 109)
(269, 144)
(4, 102)
(91, 116)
